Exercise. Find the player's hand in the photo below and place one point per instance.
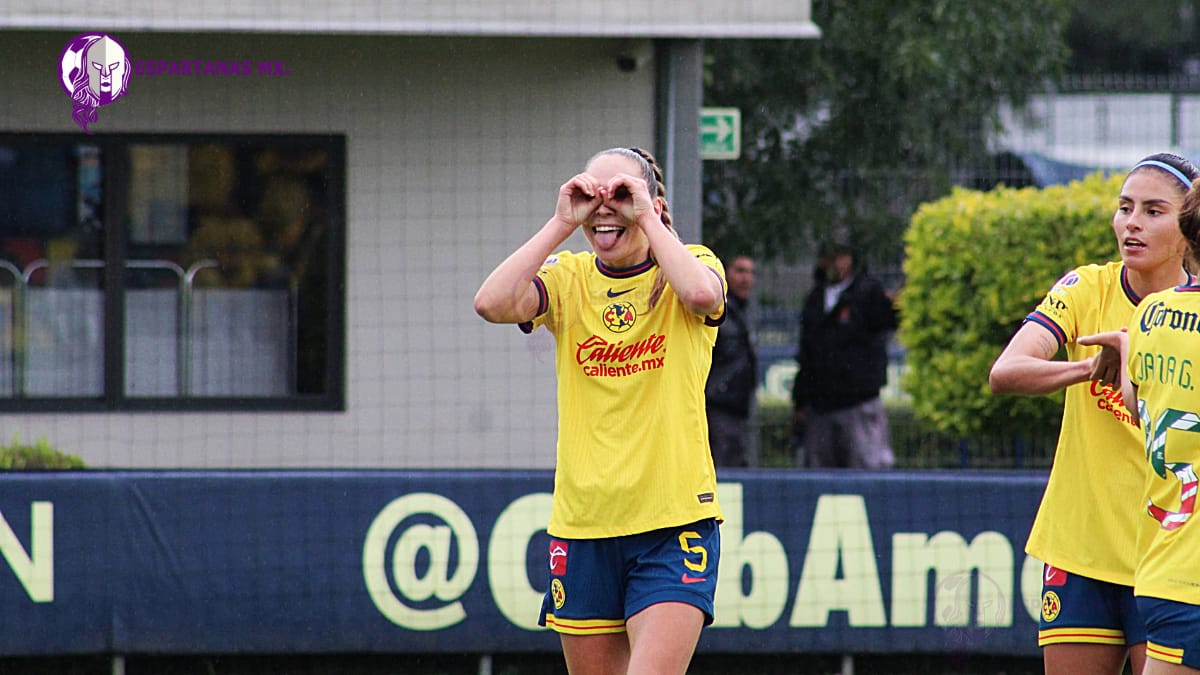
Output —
(1106, 366)
(629, 197)
(578, 199)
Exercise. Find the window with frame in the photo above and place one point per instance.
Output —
(170, 271)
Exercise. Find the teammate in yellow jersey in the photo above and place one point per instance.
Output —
(634, 538)
(1086, 527)
(1162, 349)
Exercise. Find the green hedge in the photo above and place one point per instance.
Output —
(976, 263)
(18, 456)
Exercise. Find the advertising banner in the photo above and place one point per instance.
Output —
(456, 561)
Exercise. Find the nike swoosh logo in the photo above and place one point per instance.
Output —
(613, 294)
(692, 580)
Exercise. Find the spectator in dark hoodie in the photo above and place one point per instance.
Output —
(844, 330)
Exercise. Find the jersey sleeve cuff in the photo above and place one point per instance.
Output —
(1046, 322)
(543, 304)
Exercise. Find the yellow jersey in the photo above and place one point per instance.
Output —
(1088, 520)
(1164, 355)
(632, 451)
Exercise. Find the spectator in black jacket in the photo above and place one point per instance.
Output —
(844, 329)
(733, 378)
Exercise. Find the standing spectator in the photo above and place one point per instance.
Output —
(844, 329)
(733, 379)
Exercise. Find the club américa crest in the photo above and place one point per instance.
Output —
(619, 316)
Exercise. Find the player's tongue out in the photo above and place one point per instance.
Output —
(607, 235)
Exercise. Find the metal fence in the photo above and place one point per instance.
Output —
(179, 341)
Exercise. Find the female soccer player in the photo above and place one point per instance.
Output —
(1161, 358)
(1086, 527)
(634, 540)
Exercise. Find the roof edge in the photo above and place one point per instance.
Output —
(777, 30)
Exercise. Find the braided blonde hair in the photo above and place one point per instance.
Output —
(652, 173)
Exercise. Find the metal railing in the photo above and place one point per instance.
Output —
(21, 320)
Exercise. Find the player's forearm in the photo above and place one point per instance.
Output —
(1021, 374)
(694, 283)
(508, 294)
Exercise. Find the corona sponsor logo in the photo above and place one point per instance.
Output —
(1159, 315)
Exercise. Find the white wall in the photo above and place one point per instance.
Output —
(455, 148)
(1111, 130)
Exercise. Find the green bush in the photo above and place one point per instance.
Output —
(18, 456)
(776, 447)
(976, 264)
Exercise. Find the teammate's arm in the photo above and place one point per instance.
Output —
(1026, 366)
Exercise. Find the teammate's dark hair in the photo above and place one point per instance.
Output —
(1189, 226)
(1180, 168)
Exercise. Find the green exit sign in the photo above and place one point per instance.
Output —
(720, 133)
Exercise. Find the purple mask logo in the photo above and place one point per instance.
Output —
(94, 71)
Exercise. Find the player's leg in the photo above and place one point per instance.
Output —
(1137, 658)
(1156, 667)
(584, 605)
(596, 654)
(669, 594)
(1083, 659)
(662, 638)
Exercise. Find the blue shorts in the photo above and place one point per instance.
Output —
(1079, 609)
(1173, 631)
(597, 584)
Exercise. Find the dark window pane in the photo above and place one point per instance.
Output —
(214, 269)
(244, 224)
(51, 269)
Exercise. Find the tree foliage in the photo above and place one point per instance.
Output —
(977, 264)
(1115, 36)
(853, 130)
